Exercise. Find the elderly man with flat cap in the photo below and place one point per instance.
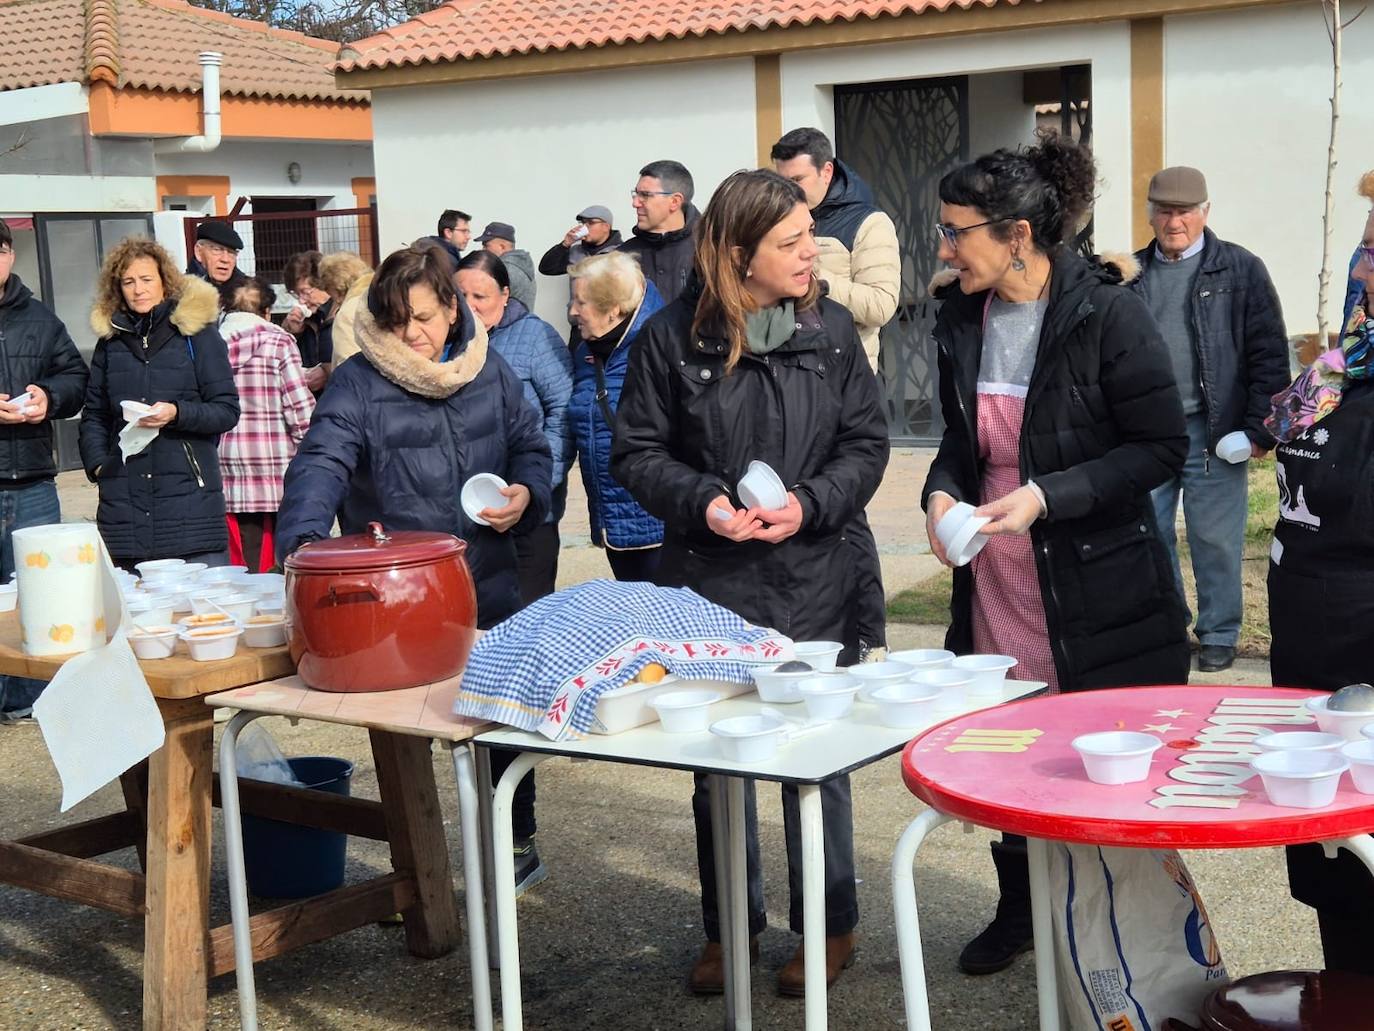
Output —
(216, 255)
(1219, 313)
(593, 234)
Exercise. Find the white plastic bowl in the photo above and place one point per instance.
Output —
(240, 606)
(779, 688)
(9, 596)
(906, 705)
(1347, 724)
(685, 712)
(151, 613)
(749, 739)
(761, 487)
(953, 685)
(271, 606)
(263, 584)
(1299, 779)
(180, 601)
(157, 564)
(230, 575)
(923, 658)
(134, 410)
(1360, 755)
(200, 600)
(1234, 447)
(1300, 740)
(265, 634)
(989, 673)
(873, 675)
(1116, 756)
(210, 643)
(821, 654)
(829, 697)
(481, 492)
(159, 643)
(204, 619)
(958, 530)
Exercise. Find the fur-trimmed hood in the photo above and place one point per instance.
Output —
(408, 370)
(196, 306)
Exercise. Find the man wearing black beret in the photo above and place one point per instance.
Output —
(216, 255)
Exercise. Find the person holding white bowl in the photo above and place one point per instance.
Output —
(751, 363)
(1061, 416)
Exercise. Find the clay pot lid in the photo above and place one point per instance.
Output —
(377, 549)
(1291, 1000)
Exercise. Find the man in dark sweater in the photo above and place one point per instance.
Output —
(664, 220)
(1220, 315)
(42, 377)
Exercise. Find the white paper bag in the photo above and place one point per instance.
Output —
(1133, 944)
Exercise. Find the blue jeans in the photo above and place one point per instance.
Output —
(35, 505)
(1214, 509)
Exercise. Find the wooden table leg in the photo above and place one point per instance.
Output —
(177, 923)
(134, 781)
(405, 779)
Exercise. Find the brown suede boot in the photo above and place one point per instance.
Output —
(839, 956)
(708, 972)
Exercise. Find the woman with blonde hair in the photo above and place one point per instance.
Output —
(751, 363)
(611, 302)
(158, 346)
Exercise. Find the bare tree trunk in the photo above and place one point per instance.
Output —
(1328, 211)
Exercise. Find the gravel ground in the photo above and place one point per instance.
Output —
(607, 940)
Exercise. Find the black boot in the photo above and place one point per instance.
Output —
(1009, 934)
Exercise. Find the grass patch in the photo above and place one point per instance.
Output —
(928, 601)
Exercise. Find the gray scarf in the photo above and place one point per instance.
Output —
(770, 328)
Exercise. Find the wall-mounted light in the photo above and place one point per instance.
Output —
(293, 173)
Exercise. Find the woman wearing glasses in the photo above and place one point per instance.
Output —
(751, 363)
(1062, 414)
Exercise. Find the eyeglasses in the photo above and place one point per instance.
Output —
(950, 234)
(591, 221)
(646, 194)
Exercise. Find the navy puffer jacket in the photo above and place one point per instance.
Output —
(400, 455)
(167, 501)
(617, 520)
(536, 353)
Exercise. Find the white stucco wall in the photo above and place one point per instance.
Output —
(998, 115)
(808, 79)
(1248, 102)
(327, 169)
(534, 152)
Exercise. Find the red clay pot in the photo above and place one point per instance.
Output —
(380, 612)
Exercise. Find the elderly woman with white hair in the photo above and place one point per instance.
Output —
(611, 301)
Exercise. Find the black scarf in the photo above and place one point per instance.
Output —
(603, 346)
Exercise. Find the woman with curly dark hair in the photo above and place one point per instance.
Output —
(159, 346)
(1061, 415)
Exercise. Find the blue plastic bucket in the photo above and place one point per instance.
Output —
(284, 861)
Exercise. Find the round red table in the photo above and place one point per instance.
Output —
(1012, 768)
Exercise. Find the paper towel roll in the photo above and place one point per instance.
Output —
(60, 606)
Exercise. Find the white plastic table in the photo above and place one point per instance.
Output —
(846, 745)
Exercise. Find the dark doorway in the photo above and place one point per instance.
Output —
(275, 240)
(902, 137)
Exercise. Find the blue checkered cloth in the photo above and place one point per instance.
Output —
(545, 668)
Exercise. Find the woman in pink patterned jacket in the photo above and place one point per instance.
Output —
(276, 406)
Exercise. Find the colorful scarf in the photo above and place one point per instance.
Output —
(1317, 392)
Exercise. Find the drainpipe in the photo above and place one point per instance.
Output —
(209, 138)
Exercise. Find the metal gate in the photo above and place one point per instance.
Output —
(902, 137)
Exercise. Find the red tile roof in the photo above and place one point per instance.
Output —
(464, 29)
(154, 43)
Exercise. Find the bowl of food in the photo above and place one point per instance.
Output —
(1116, 756)
(923, 658)
(1297, 779)
(206, 619)
(989, 673)
(685, 712)
(779, 684)
(208, 643)
(906, 705)
(154, 642)
(820, 654)
(749, 739)
(1347, 722)
(264, 631)
(829, 697)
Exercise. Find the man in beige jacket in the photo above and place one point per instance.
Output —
(859, 260)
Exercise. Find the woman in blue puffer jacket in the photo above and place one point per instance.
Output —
(611, 301)
(536, 353)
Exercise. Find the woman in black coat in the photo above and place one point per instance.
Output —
(1321, 580)
(751, 364)
(158, 345)
(1062, 414)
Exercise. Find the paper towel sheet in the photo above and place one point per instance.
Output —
(134, 439)
(98, 715)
